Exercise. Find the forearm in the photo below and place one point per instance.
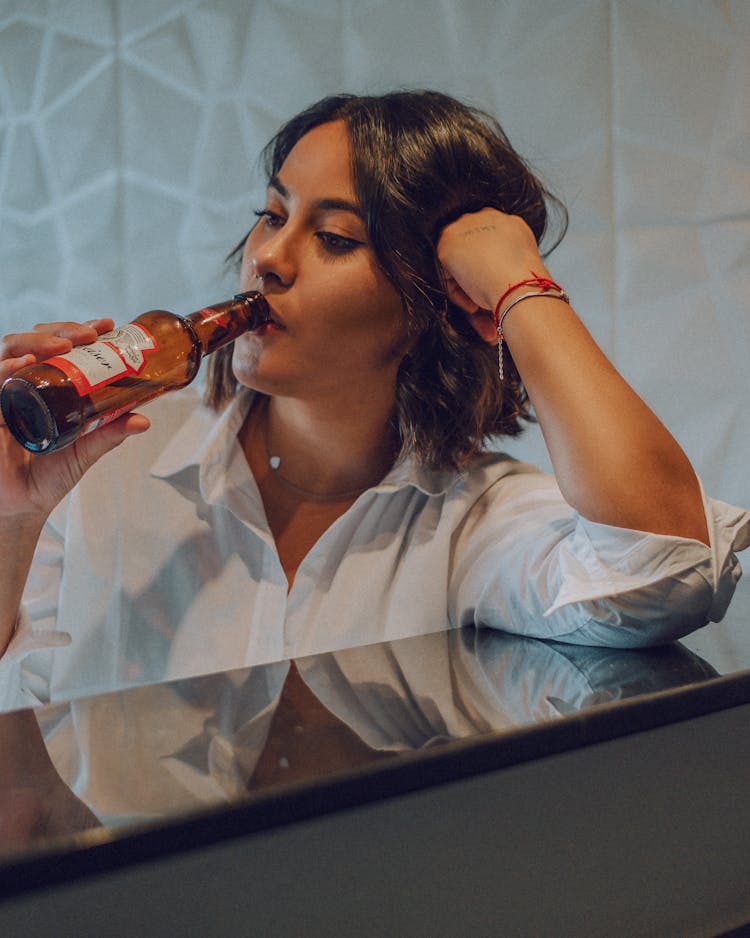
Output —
(18, 541)
(614, 460)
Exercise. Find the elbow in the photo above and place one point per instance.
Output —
(671, 508)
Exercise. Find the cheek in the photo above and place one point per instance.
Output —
(390, 313)
(381, 330)
(370, 302)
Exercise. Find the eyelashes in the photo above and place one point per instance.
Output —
(336, 245)
(270, 219)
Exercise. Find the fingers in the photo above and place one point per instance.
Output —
(53, 338)
(125, 426)
(75, 330)
(481, 254)
(10, 365)
(112, 435)
(481, 320)
(457, 295)
(37, 344)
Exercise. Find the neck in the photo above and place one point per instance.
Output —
(320, 453)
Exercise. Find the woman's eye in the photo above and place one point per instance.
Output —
(337, 244)
(270, 219)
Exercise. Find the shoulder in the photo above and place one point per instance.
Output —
(506, 500)
(497, 476)
(493, 489)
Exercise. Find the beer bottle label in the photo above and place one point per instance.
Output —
(115, 354)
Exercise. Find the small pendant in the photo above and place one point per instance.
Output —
(274, 462)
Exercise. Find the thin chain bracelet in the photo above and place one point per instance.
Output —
(557, 294)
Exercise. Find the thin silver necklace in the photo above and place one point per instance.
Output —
(274, 464)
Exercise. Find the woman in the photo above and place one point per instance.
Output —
(344, 495)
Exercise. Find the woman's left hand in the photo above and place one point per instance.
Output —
(482, 254)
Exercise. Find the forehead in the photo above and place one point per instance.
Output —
(321, 160)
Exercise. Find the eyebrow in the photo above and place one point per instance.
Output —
(325, 205)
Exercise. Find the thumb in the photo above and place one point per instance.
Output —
(90, 447)
(481, 320)
(457, 295)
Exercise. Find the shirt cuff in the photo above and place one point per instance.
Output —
(608, 562)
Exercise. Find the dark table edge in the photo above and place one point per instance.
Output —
(92, 854)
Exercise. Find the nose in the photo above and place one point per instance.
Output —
(272, 257)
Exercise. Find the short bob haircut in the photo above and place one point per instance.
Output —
(420, 159)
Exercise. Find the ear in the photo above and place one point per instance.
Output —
(481, 320)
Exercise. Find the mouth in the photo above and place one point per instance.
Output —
(274, 323)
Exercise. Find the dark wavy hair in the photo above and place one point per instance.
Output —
(420, 159)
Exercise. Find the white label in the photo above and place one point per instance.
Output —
(117, 353)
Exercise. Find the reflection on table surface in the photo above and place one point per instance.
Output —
(146, 754)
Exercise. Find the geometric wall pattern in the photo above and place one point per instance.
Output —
(130, 129)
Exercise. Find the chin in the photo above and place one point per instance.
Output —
(245, 362)
(255, 380)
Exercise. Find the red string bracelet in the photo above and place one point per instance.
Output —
(544, 284)
(547, 288)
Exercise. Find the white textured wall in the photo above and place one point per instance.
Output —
(129, 131)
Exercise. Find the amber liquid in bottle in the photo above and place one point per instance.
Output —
(48, 405)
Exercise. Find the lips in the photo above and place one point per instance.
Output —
(274, 321)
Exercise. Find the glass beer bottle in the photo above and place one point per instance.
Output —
(48, 405)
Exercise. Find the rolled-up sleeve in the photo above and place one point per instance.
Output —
(527, 563)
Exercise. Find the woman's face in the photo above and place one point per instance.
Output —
(337, 329)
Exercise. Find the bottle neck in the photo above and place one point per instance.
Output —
(222, 323)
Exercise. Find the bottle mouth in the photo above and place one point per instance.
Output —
(27, 415)
(261, 312)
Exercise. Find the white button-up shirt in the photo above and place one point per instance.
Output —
(161, 564)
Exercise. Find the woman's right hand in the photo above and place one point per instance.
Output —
(31, 485)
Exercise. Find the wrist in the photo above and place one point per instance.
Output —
(22, 528)
(534, 285)
(533, 288)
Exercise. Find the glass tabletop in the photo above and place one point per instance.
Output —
(101, 769)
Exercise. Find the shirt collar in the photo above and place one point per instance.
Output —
(204, 439)
(209, 441)
(406, 471)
